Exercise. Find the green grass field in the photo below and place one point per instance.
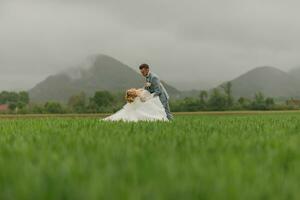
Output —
(194, 157)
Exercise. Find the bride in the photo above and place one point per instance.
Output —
(141, 106)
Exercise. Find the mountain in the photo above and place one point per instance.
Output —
(268, 80)
(101, 72)
(295, 72)
(189, 85)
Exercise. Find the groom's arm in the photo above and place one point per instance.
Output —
(156, 86)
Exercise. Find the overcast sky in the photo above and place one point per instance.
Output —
(185, 40)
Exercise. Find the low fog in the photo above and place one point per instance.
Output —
(186, 42)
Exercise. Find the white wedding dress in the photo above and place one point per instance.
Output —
(150, 109)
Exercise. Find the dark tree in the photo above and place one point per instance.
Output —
(23, 97)
(217, 100)
(259, 102)
(203, 96)
(78, 103)
(53, 108)
(269, 102)
(242, 101)
(102, 101)
(227, 87)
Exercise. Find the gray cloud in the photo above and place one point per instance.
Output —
(187, 40)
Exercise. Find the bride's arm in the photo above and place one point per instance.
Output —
(144, 95)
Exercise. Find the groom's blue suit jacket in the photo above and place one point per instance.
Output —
(157, 88)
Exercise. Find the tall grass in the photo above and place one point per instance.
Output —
(193, 157)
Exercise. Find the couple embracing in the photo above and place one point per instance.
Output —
(150, 103)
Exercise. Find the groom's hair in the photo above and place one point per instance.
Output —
(144, 66)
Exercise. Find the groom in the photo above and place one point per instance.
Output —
(154, 86)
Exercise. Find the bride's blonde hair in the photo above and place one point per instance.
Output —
(131, 94)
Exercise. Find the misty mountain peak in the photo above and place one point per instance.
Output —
(265, 69)
(268, 80)
(99, 72)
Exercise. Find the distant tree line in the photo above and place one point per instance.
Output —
(14, 100)
(100, 102)
(219, 99)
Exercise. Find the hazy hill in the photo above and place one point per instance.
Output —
(102, 73)
(295, 72)
(189, 85)
(268, 80)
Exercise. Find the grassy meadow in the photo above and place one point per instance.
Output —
(238, 156)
